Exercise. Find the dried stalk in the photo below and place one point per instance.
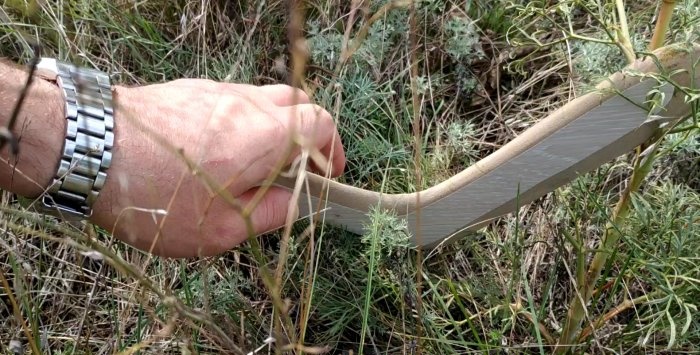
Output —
(662, 22)
(642, 168)
(624, 33)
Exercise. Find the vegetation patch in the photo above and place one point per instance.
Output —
(485, 71)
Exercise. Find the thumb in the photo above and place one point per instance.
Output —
(271, 211)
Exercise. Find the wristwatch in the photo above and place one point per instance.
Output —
(89, 138)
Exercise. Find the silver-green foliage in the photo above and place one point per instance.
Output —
(594, 61)
(326, 44)
(662, 246)
(463, 42)
(386, 235)
(685, 25)
(464, 47)
(461, 138)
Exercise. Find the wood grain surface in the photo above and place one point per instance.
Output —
(585, 133)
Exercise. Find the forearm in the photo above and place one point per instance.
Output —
(39, 128)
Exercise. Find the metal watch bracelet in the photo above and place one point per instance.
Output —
(87, 150)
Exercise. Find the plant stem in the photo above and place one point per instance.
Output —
(624, 33)
(353, 46)
(417, 129)
(18, 313)
(662, 22)
(625, 305)
(612, 234)
(610, 238)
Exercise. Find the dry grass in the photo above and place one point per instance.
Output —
(507, 288)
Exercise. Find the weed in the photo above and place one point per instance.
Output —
(487, 71)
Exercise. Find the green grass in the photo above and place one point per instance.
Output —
(506, 287)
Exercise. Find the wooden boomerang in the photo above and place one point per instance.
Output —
(579, 137)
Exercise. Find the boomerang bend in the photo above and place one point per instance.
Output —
(587, 132)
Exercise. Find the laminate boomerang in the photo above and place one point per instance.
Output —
(577, 138)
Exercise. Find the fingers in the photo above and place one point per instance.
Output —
(278, 94)
(223, 227)
(315, 124)
(284, 95)
(293, 109)
(271, 213)
(335, 150)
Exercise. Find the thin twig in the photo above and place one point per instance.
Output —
(346, 36)
(624, 33)
(18, 313)
(588, 331)
(642, 168)
(6, 135)
(417, 129)
(76, 240)
(362, 33)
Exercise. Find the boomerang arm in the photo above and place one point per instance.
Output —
(578, 137)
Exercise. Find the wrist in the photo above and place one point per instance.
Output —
(132, 185)
(117, 178)
(131, 154)
(39, 128)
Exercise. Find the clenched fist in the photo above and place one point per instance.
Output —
(172, 137)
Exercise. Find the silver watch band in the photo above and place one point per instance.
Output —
(87, 151)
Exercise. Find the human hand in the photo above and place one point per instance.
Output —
(236, 134)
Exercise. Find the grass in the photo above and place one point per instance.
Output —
(481, 82)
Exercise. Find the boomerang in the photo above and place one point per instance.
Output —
(577, 138)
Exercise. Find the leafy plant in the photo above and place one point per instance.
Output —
(483, 72)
